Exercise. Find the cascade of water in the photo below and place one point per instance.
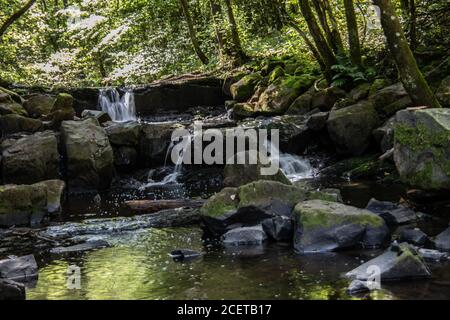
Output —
(120, 109)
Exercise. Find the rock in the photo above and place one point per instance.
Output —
(11, 290)
(351, 128)
(322, 226)
(244, 110)
(279, 228)
(432, 255)
(249, 205)
(278, 72)
(31, 159)
(21, 269)
(10, 105)
(392, 213)
(89, 156)
(14, 123)
(318, 121)
(443, 93)
(442, 240)
(383, 98)
(8, 95)
(393, 265)
(62, 110)
(377, 85)
(243, 89)
(413, 236)
(124, 134)
(101, 116)
(154, 142)
(357, 286)
(360, 92)
(384, 135)
(125, 158)
(236, 175)
(279, 96)
(27, 205)
(325, 99)
(421, 144)
(330, 194)
(301, 105)
(246, 236)
(184, 254)
(82, 247)
(38, 105)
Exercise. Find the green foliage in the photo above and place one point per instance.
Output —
(348, 75)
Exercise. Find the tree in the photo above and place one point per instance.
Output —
(327, 55)
(237, 47)
(16, 16)
(410, 75)
(353, 37)
(201, 55)
(216, 13)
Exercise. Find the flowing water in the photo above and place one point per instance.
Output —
(120, 109)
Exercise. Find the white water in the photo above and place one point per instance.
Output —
(120, 109)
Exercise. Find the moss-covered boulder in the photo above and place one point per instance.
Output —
(88, 153)
(443, 93)
(351, 128)
(278, 72)
(243, 90)
(30, 159)
(399, 262)
(8, 105)
(389, 100)
(243, 110)
(28, 205)
(38, 105)
(14, 123)
(377, 85)
(422, 148)
(326, 98)
(279, 96)
(236, 175)
(301, 105)
(221, 203)
(322, 226)
(62, 110)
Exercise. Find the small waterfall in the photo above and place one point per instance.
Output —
(120, 109)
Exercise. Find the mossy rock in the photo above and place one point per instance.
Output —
(278, 72)
(269, 64)
(328, 226)
(377, 85)
(443, 93)
(301, 105)
(422, 148)
(221, 203)
(38, 105)
(14, 123)
(11, 107)
(243, 90)
(243, 110)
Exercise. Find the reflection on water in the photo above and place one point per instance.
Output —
(138, 267)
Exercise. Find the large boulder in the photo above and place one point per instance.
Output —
(88, 153)
(154, 143)
(443, 93)
(243, 89)
(391, 99)
(279, 96)
(351, 128)
(38, 105)
(322, 226)
(422, 148)
(245, 236)
(384, 135)
(279, 228)
(11, 290)
(30, 159)
(301, 105)
(62, 110)
(397, 263)
(14, 123)
(326, 98)
(19, 268)
(28, 205)
(236, 175)
(392, 213)
(442, 240)
(124, 134)
(9, 105)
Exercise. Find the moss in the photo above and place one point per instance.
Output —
(278, 72)
(298, 83)
(244, 88)
(221, 203)
(325, 196)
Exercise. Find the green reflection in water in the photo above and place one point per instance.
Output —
(137, 266)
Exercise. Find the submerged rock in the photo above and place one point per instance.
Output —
(30, 159)
(392, 213)
(351, 127)
(87, 246)
(11, 290)
(442, 240)
(184, 254)
(421, 148)
(21, 269)
(245, 236)
(89, 156)
(322, 226)
(433, 255)
(394, 264)
(357, 286)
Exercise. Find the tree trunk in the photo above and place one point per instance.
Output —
(410, 75)
(216, 13)
(353, 37)
(334, 26)
(318, 7)
(237, 47)
(192, 34)
(322, 46)
(16, 16)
